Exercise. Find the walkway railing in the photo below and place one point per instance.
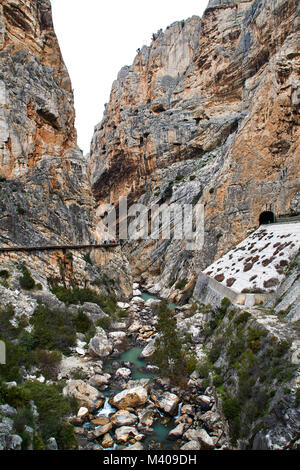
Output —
(7, 249)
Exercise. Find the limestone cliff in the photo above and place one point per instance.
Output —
(45, 193)
(212, 109)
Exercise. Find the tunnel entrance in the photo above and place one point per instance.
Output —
(267, 217)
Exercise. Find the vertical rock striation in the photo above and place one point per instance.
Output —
(212, 108)
(45, 193)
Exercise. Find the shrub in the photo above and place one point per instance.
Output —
(80, 296)
(82, 322)
(37, 442)
(104, 323)
(4, 274)
(169, 354)
(242, 319)
(26, 281)
(181, 284)
(48, 362)
(52, 408)
(220, 277)
(53, 329)
(6, 328)
(216, 349)
(66, 437)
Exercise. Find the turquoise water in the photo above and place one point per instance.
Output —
(160, 435)
(146, 296)
(162, 426)
(133, 356)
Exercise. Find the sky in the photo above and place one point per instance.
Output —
(97, 38)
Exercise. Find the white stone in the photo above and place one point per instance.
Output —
(82, 413)
(123, 305)
(137, 293)
(137, 300)
(123, 372)
(80, 351)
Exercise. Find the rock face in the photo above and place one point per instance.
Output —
(207, 113)
(45, 193)
(136, 126)
(38, 150)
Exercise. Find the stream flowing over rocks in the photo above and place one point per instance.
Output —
(126, 404)
(145, 343)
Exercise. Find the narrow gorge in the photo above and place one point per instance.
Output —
(112, 342)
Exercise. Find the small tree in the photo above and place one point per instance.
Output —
(169, 354)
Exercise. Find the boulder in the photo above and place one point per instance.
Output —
(136, 293)
(168, 403)
(100, 346)
(101, 430)
(123, 305)
(101, 421)
(188, 409)
(205, 402)
(80, 351)
(123, 373)
(93, 311)
(6, 425)
(52, 444)
(14, 442)
(191, 445)
(8, 411)
(117, 337)
(137, 301)
(83, 412)
(99, 380)
(107, 441)
(152, 302)
(201, 436)
(123, 434)
(136, 446)
(136, 326)
(177, 432)
(87, 396)
(130, 398)
(205, 440)
(149, 350)
(123, 418)
(146, 418)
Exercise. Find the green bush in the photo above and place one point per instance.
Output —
(80, 296)
(104, 323)
(4, 274)
(26, 281)
(48, 362)
(242, 319)
(231, 408)
(38, 443)
(216, 349)
(53, 329)
(169, 355)
(66, 438)
(6, 328)
(181, 284)
(52, 408)
(82, 322)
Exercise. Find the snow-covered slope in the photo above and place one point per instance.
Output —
(258, 263)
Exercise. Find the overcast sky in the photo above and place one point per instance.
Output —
(98, 38)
